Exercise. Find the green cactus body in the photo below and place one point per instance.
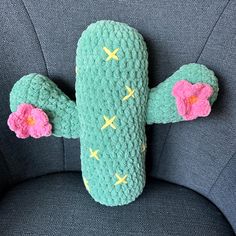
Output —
(111, 95)
(113, 104)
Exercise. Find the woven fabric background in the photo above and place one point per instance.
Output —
(52, 205)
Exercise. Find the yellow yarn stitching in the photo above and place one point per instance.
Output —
(94, 154)
(86, 184)
(144, 147)
(130, 93)
(109, 122)
(76, 70)
(111, 55)
(121, 180)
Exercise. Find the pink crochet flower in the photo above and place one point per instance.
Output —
(192, 99)
(29, 121)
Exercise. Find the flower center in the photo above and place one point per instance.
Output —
(192, 99)
(30, 121)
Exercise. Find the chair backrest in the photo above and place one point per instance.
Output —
(42, 38)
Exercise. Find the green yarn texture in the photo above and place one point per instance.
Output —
(161, 104)
(113, 104)
(100, 89)
(41, 92)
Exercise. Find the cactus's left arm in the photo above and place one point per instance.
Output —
(186, 95)
(41, 92)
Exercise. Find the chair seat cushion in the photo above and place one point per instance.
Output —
(58, 204)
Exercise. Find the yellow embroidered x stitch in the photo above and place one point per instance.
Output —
(94, 154)
(130, 93)
(144, 147)
(109, 122)
(121, 180)
(111, 55)
(86, 184)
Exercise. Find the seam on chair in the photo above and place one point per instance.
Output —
(212, 30)
(45, 63)
(222, 170)
(36, 34)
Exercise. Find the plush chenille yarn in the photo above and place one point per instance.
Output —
(162, 106)
(113, 104)
(102, 84)
(41, 92)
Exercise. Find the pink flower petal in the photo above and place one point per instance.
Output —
(190, 116)
(23, 133)
(18, 125)
(182, 89)
(202, 108)
(40, 116)
(42, 126)
(203, 91)
(40, 131)
(181, 105)
(24, 109)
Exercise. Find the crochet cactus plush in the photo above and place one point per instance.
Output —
(113, 105)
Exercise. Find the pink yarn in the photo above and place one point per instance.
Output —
(192, 99)
(29, 121)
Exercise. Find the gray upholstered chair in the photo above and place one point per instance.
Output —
(191, 166)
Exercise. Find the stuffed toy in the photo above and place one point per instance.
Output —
(113, 105)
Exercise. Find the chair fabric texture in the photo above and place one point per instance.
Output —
(200, 155)
(52, 205)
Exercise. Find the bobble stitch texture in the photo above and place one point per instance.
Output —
(108, 95)
(41, 92)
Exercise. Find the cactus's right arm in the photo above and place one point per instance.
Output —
(41, 92)
(162, 107)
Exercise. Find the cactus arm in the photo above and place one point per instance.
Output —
(162, 107)
(41, 92)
